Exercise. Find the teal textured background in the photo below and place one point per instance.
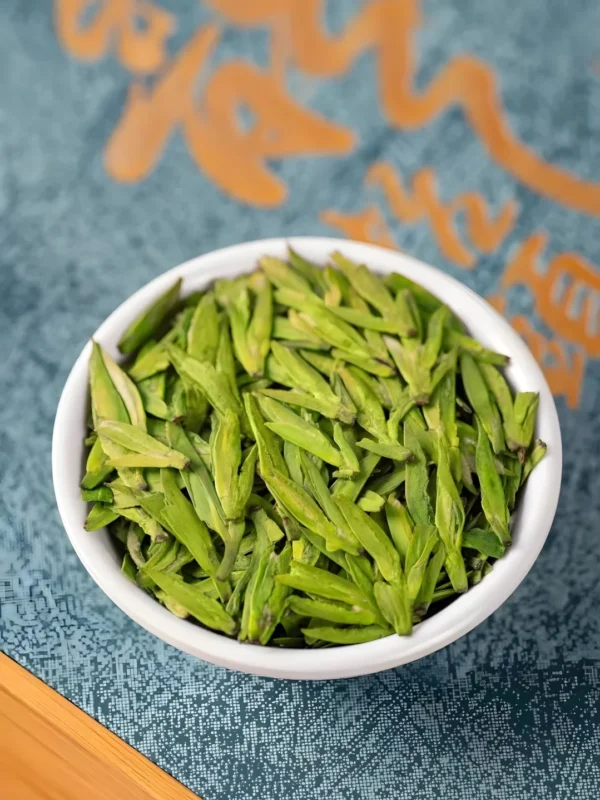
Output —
(509, 712)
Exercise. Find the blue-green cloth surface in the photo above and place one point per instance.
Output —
(511, 711)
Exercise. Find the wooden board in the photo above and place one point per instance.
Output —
(51, 750)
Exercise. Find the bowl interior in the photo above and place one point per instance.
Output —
(532, 522)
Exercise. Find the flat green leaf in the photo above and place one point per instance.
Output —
(145, 326)
(206, 610)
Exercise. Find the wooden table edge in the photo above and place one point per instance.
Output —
(51, 749)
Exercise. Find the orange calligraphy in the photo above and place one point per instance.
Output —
(468, 82)
(567, 291)
(233, 157)
(564, 372)
(423, 202)
(365, 226)
(137, 28)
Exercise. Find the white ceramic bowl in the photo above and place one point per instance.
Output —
(536, 508)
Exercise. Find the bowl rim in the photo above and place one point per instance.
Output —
(462, 615)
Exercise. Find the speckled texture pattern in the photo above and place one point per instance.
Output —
(509, 712)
